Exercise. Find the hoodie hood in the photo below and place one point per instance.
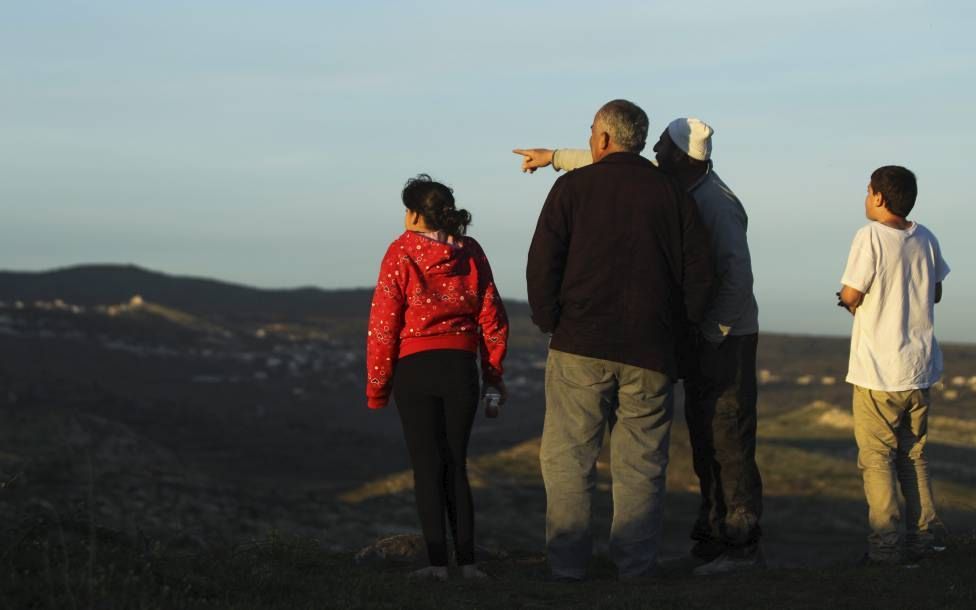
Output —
(435, 257)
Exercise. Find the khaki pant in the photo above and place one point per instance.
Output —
(891, 429)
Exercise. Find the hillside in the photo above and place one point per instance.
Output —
(89, 285)
(187, 426)
(103, 284)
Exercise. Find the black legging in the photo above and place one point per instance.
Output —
(436, 394)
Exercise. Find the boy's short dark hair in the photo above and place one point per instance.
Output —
(897, 188)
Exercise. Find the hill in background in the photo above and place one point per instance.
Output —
(90, 285)
(207, 413)
(105, 284)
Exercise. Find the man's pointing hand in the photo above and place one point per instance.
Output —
(534, 158)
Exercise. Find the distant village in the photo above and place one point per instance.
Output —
(277, 350)
(269, 351)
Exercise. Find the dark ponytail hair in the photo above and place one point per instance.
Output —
(435, 202)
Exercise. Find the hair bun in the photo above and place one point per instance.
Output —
(435, 202)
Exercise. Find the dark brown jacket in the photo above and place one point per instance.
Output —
(619, 255)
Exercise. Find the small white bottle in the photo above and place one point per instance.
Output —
(492, 401)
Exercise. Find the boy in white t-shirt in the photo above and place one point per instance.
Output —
(891, 284)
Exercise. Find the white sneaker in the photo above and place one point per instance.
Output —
(429, 573)
(471, 572)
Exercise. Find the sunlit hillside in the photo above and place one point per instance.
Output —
(191, 425)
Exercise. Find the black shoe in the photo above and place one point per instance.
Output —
(561, 579)
(649, 574)
(733, 560)
(867, 561)
(924, 553)
(707, 550)
(681, 565)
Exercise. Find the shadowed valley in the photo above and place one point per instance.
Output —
(193, 415)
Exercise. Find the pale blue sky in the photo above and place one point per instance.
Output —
(266, 143)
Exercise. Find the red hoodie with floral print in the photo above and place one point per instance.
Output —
(433, 295)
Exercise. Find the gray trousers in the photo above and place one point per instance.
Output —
(584, 396)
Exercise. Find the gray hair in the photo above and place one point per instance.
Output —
(625, 122)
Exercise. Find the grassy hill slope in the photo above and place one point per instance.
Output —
(142, 453)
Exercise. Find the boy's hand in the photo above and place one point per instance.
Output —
(849, 298)
(534, 158)
(841, 303)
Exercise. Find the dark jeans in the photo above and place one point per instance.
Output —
(720, 408)
(436, 394)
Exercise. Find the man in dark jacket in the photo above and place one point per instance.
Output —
(618, 250)
(719, 353)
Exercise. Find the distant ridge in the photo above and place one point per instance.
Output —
(110, 284)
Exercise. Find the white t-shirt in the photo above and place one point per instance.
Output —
(893, 346)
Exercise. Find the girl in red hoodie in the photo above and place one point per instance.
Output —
(434, 308)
